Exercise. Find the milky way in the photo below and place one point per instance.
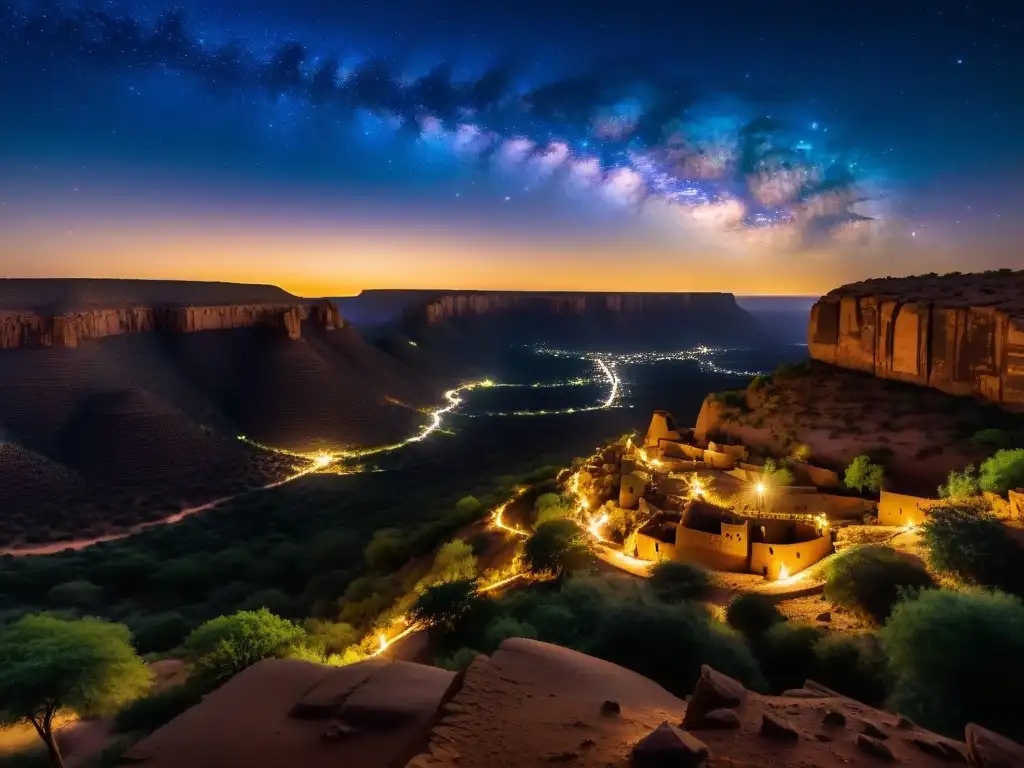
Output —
(671, 151)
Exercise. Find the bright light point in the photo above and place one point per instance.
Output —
(783, 571)
(486, 383)
(913, 234)
(323, 459)
(382, 639)
(655, 462)
(507, 197)
(759, 487)
(413, 343)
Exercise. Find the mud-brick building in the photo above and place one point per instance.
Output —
(715, 537)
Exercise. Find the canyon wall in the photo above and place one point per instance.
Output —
(466, 304)
(961, 334)
(33, 329)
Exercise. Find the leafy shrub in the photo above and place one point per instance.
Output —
(863, 474)
(161, 632)
(960, 485)
(969, 541)
(1003, 471)
(387, 550)
(954, 657)
(224, 646)
(75, 594)
(674, 582)
(871, 580)
(551, 506)
(733, 398)
(454, 562)
(752, 615)
(786, 654)
(775, 474)
(991, 438)
(501, 629)
(801, 453)
(758, 382)
(557, 548)
(328, 638)
(459, 660)
(469, 506)
(854, 665)
(668, 643)
(454, 612)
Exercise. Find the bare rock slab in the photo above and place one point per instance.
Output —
(714, 691)
(988, 749)
(669, 747)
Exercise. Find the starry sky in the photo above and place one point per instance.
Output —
(759, 148)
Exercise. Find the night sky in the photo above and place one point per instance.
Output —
(755, 147)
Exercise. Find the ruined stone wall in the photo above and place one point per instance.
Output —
(945, 342)
(727, 551)
(900, 509)
(777, 561)
(29, 329)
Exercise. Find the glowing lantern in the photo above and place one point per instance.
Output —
(783, 571)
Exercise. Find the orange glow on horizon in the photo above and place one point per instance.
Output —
(341, 259)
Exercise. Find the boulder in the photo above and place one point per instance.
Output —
(720, 719)
(939, 748)
(777, 728)
(870, 728)
(988, 749)
(669, 747)
(834, 718)
(714, 691)
(875, 747)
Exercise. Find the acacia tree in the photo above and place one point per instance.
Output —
(48, 665)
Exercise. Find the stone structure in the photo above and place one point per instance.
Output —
(631, 490)
(961, 334)
(718, 538)
(900, 509)
(662, 427)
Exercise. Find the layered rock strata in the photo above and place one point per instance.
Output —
(961, 334)
(466, 304)
(33, 329)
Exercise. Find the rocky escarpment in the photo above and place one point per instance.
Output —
(465, 304)
(33, 329)
(961, 334)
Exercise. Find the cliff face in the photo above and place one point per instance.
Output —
(31, 329)
(465, 304)
(961, 334)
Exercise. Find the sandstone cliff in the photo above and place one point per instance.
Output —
(961, 334)
(34, 329)
(463, 304)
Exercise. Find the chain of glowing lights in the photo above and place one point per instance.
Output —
(705, 356)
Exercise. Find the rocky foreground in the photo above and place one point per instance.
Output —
(962, 334)
(534, 704)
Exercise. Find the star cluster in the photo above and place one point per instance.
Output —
(620, 135)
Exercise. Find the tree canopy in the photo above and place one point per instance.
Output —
(1003, 471)
(863, 474)
(557, 548)
(48, 664)
(224, 646)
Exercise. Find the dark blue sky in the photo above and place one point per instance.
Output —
(820, 141)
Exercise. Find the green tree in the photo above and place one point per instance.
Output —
(854, 665)
(752, 615)
(674, 582)
(224, 646)
(991, 438)
(952, 659)
(49, 664)
(775, 474)
(969, 541)
(960, 485)
(557, 548)
(870, 580)
(329, 638)
(454, 561)
(1003, 471)
(469, 507)
(454, 612)
(863, 474)
(785, 654)
(387, 550)
(801, 453)
(75, 594)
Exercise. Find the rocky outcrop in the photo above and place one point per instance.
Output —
(33, 329)
(961, 334)
(535, 704)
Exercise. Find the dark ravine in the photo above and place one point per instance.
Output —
(961, 334)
